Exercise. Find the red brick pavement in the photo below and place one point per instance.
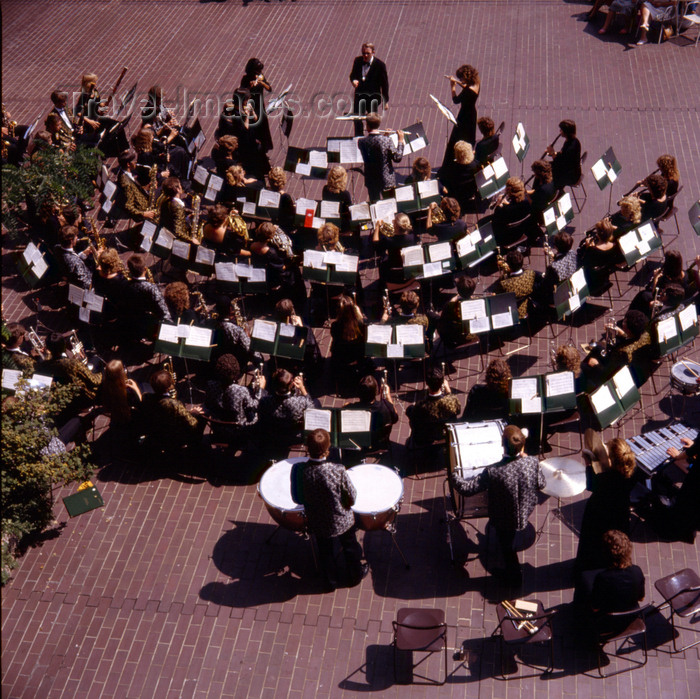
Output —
(170, 590)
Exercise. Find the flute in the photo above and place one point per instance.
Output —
(388, 132)
(452, 77)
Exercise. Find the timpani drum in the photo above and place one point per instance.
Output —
(275, 489)
(471, 447)
(684, 376)
(379, 496)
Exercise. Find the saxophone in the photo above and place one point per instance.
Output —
(194, 224)
(201, 306)
(168, 366)
(153, 186)
(238, 226)
(503, 267)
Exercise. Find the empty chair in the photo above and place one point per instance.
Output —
(681, 593)
(420, 630)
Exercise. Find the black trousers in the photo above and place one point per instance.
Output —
(506, 540)
(362, 105)
(352, 552)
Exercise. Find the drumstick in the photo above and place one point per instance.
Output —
(690, 369)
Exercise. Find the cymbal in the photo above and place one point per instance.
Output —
(564, 476)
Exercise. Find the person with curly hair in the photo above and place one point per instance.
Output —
(467, 78)
(453, 226)
(629, 215)
(284, 218)
(224, 154)
(458, 177)
(336, 189)
(609, 476)
(489, 400)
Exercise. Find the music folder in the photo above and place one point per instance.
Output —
(278, 339)
(544, 393)
(330, 267)
(521, 142)
(492, 178)
(489, 313)
(241, 277)
(639, 242)
(86, 499)
(606, 169)
(31, 264)
(571, 294)
(395, 341)
(614, 398)
(349, 427)
(188, 341)
(475, 247)
(676, 331)
(694, 216)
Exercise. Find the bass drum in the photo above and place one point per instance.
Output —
(275, 489)
(379, 496)
(684, 376)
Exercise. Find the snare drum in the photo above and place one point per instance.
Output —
(379, 496)
(275, 489)
(683, 379)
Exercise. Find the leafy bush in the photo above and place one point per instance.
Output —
(33, 463)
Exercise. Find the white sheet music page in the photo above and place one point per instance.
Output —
(404, 193)
(688, 317)
(439, 251)
(559, 384)
(623, 381)
(264, 330)
(93, 302)
(76, 295)
(473, 308)
(379, 334)
(602, 399)
(394, 351)
(318, 158)
(258, 274)
(165, 239)
(148, 229)
(355, 421)
(40, 266)
(432, 269)
(428, 188)
(360, 212)
(488, 172)
(168, 333)
(480, 325)
(224, 271)
(564, 204)
(409, 334)
(464, 246)
(332, 257)
(216, 182)
(200, 175)
(287, 330)
(330, 209)
(243, 271)
(499, 167)
(383, 210)
(303, 169)
(628, 242)
(199, 337)
(524, 388)
(314, 259)
(304, 204)
(598, 170)
(412, 256)
(502, 320)
(269, 199)
(667, 329)
(204, 255)
(181, 249)
(317, 420)
(578, 280)
(10, 377)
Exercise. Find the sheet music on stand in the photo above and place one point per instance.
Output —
(558, 216)
(349, 428)
(447, 113)
(86, 301)
(476, 445)
(571, 294)
(416, 139)
(606, 169)
(475, 247)
(395, 342)
(428, 260)
(614, 398)
(36, 382)
(492, 178)
(521, 142)
(544, 393)
(107, 199)
(330, 266)
(189, 341)
(31, 264)
(245, 278)
(278, 339)
(639, 243)
(676, 331)
(196, 138)
(489, 313)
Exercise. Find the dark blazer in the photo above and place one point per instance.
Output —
(375, 85)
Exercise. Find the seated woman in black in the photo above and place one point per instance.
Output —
(336, 189)
(599, 253)
(543, 192)
(669, 169)
(654, 200)
(628, 217)
(453, 226)
(458, 176)
(277, 180)
(384, 414)
(347, 349)
(420, 171)
(489, 401)
(224, 154)
(512, 207)
(281, 273)
(617, 588)
(566, 163)
(449, 322)
(218, 235)
(312, 363)
(177, 297)
(388, 248)
(236, 184)
(490, 142)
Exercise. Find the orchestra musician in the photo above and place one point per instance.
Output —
(489, 400)
(566, 163)
(428, 417)
(467, 77)
(458, 177)
(381, 405)
(225, 154)
(167, 132)
(489, 144)
(449, 321)
(171, 210)
(57, 136)
(69, 122)
(379, 155)
(388, 248)
(511, 207)
(136, 198)
(543, 192)
(371, 82)
(231, 335)
(629, 215)
(277, 181)
(72, 264)
(218, 234)
(13, 357)
(654, 200)
(256, 83)
(336, 189)
(519, 281)
(177, 298)
(236, 184)
(110, 283)
(453, 226)
(144, 305)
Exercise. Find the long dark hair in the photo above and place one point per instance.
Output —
(253, 67)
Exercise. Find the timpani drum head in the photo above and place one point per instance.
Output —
(378, 488)
(275, 486)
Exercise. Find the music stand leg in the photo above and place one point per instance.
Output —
(269, 538)
(398, 548)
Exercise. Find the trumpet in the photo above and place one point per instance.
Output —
(37, 343)
(257, 373)
(168, 366)
(77, 348)
(551, 145)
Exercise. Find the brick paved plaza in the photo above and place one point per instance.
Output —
(172, 590)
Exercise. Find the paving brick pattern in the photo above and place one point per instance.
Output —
(171, 590)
